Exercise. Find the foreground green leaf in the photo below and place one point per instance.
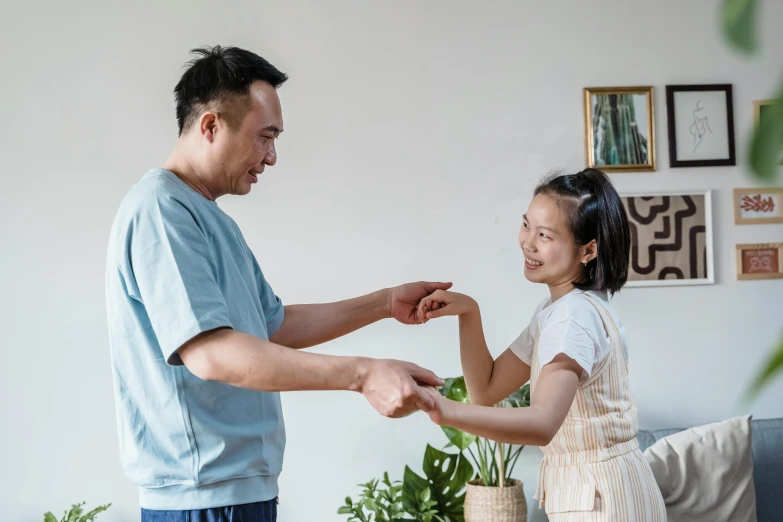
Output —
(766, 144)
(739, 23)
(773, 365)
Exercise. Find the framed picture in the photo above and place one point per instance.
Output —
(760, 261)
(619, 128)
(671, 238)
(701, 125)
(758, 206)
(761, 111)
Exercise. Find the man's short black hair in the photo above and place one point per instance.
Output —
(219, 79)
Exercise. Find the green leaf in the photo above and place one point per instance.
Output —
(448, 473)
(765, 145)
(75, 512)
(458, 438)
(90, 517)
(412, 484)
(49, 517)
(425, 495)
(454, 388)
(739, 23)
(345, 510)
(773, 365)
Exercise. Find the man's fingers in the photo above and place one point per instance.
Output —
(425, 376)
(431, 287)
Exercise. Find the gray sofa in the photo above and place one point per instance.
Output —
(767, 441)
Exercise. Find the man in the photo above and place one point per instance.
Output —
(201, 345)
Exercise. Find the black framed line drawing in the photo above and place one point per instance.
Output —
(701, 125)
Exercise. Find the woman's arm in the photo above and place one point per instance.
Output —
(535, 425)
(488, 381)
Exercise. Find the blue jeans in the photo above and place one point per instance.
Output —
(256, 512)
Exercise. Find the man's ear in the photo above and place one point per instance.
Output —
(208, 124)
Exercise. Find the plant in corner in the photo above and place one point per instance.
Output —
(739, 27)
(76, 514)
(493, 488)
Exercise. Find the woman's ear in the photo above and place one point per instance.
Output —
(589, 252)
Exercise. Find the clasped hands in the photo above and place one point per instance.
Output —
(398, 388)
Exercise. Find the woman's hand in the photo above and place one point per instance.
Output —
(442, 303)
(442, 409)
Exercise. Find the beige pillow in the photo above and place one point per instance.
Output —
(706, 473)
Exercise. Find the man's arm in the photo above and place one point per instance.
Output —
(311, 324)
(306, 325)
(245, 361)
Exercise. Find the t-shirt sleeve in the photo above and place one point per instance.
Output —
(568, 338)
(174, 272)
(523, 346)
(274, 311)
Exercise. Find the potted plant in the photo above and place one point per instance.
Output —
(438, 496)
(76, 514)
(492, 496)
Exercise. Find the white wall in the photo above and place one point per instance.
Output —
(415, 132)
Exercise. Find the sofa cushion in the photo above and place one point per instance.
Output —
(767, 435)
(706, 473)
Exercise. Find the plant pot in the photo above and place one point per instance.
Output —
(485, 504)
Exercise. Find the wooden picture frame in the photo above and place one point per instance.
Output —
(758, 108)
(759, 261)
(619, 128)
(700, 123)
(671, 238)
(757, 206)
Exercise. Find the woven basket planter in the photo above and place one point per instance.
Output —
(485, 504)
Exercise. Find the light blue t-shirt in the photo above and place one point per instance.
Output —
(177, 266)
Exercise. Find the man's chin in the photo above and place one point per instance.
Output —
(243, 189)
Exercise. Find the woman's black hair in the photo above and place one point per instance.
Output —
(595, 211)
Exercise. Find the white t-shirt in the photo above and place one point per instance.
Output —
(571, 325)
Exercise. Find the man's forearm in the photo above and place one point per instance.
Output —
(307, 325)
(248, 362)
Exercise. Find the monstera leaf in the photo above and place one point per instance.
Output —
(445, 476)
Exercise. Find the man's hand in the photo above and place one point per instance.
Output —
(394, 388)
(442, 303)
(404, 300)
